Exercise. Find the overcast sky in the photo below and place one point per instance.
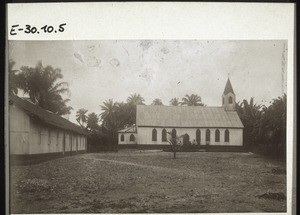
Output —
(100, 70)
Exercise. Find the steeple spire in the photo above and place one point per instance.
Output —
(228, 97)
(228, 87)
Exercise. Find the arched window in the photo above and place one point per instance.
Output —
(198, 136)
(131, 138)
(122, 138)
(207, 135)
(186, 139)
(226, 135)
(173, 133)
(230, 100)
(217, 136)
(154, 135)
(164, 135)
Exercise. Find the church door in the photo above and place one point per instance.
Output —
(186, 139)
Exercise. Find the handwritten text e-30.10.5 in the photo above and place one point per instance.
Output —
(34, 30)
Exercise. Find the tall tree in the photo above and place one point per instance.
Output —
(135, 99)
(42, 86)
(273, 125)
(174, 101)
(13, 78)
(250, 115)
(192, 100)
(81, 116)
(132, 101)
(92, 122)
(109, 120)
(108, 109)
(157, 102)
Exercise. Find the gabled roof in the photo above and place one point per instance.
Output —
(228, 88)
(46, 116)
(131, 129)
(186, 116)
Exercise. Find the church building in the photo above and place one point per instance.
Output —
(216, 128)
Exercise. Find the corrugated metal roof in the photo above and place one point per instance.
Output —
(186, 116)
(45, 115)
(131, 129)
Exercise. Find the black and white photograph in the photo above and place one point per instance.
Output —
(148, 126)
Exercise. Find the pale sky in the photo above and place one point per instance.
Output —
(100, 70)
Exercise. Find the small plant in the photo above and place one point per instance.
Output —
(175, 143)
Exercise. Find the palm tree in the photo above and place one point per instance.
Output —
(192, 100)
(157, 102)
(174, 101)
(81, 116)
(40, 83)
(108, 108)
(135, 99)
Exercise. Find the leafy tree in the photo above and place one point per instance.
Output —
(192, 100)
(92, 122)
(81, 116)
(125, 115)
(273, 127)
(132, 101)
(42, 86)
(250, 115)
(157, 102)
(264, 127)
(174, 101)
(13, 78)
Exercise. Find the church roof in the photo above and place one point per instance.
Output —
(186, 116)
(228, 88)
(131, 129)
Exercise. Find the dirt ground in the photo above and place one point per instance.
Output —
(150, 181)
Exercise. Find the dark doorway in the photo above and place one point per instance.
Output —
(186, 139)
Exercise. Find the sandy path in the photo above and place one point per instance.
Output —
(156, 168)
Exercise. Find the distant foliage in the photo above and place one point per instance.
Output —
(265, 127)
(192, 100)
(157, 102)
(13, 78)
(174, 102)
(118, 115)
(81, 116)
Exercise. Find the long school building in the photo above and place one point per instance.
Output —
(37, 134)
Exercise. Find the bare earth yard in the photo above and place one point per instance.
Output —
(150, 181)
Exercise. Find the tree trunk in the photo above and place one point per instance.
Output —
(174, 155)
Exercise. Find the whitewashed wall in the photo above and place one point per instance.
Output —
(19, 127)
(144, 135)
(127, 138)
(27, 136)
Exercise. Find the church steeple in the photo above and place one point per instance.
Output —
(228, 88)
(228, 97)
